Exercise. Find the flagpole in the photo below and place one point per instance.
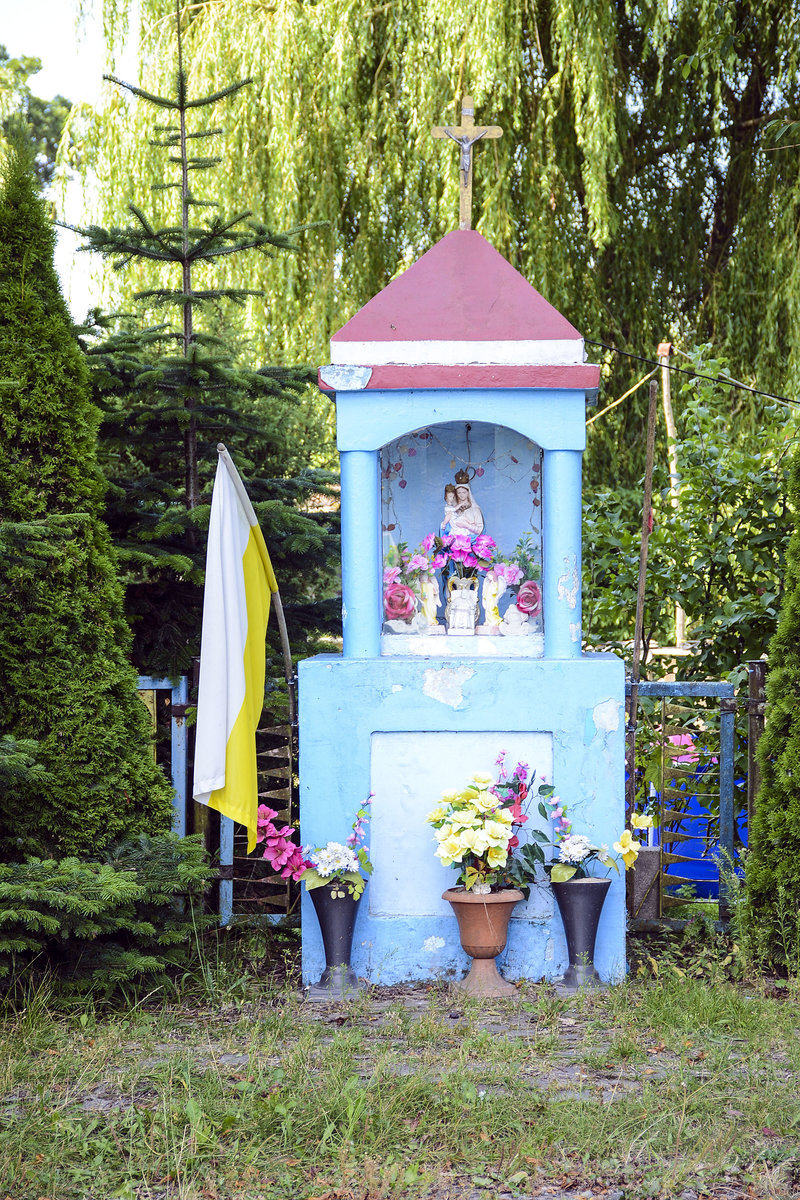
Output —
(279, 613)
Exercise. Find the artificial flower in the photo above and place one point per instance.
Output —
(399, 602)
(529, 598)
(627, 848)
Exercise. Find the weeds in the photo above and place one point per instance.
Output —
(657, 1086)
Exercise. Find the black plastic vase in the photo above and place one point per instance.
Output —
(337, 919)
(580, 902)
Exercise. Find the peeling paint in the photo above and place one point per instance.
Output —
(344, 614)
(445, 684)
(606, 716)
(397, 687)
(345, 378)
(432, 944)
(549, 950)
(575, 632)
(569, 583)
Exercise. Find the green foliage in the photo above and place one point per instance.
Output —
(169, 395)
(98, 924)
(773, 865)
(42, 120)
(64, 676)
(719, 554)
(632, 185)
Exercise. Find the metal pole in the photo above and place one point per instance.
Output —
(757, 688)
(726, 822)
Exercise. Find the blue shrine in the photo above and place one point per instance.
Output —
(460, 396)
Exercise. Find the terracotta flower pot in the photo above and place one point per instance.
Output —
(580, 902)
(483, 929)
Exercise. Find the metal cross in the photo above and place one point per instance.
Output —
(466, 135)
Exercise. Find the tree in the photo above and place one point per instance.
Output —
(169, 395)
(629, 186)
(64, 676)
(773, 864)
(44, 119)
(720, 553)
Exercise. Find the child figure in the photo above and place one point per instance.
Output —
(450, 506)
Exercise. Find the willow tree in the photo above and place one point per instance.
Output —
(629, 187)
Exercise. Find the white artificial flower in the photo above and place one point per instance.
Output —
(333, 858)
(574, 848)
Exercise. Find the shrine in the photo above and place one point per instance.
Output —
(460, 395)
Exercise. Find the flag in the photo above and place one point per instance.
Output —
(239, 581)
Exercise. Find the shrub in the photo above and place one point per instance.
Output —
(133, 915)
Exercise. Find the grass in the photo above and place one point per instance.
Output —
(660, 1085)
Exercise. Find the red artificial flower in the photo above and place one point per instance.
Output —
(399, 602)
(529, 598)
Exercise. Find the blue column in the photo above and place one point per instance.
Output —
(361, 554)
(561, 504)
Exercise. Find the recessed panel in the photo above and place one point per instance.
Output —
(409, 773)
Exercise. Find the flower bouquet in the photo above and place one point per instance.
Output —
(404, 583)
(338, 865)
(461, 554)
(475, 827)
(576, 853)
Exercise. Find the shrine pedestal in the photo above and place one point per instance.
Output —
(408, 728)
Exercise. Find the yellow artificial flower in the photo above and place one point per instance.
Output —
(484, 802)
(449, 797)
(483, 780)
(475, 840)
(641, 821)
(627, 847)
(464, 819)
(450, 851)
(438, 814)
(496, 833)
(497, 856)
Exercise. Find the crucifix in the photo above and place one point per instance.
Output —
(466, 135)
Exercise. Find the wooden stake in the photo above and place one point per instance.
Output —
(647, 510)
(466, 134)
(664, 351)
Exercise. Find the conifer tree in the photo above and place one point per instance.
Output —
(65, 679)
(170, 394)
(773, 863)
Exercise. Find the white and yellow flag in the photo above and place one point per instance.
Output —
(239, 580)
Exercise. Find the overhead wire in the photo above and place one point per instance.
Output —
(726, 380)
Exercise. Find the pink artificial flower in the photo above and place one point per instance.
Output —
(399, 602)
(417, 562)
(529, 598)
(557, 812)
(462, 542)
(470, 560)
(484, 546)
(447, 539)
(439, 560)
(512, 574)
(427, 542)
(391, 575)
